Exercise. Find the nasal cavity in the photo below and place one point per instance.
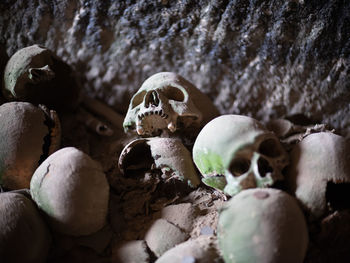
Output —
(264, 167)
(152, 99)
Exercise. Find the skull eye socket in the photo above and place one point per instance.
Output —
(264, 167)
(137, 99)
(239, 166)
(270, 148)
(173, 93)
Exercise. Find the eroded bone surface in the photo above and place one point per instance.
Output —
(94, 124)
(166, 154)
(235, 152)
(172, 213)
(162, 236)
(291, 133)
(103, 110)
(319, 173)
(199, 250)
(28, 135)
(262, 225)
(134, 251)
(99, 118)
(35, 74)
(167, 101)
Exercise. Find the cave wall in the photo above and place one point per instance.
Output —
(266, 59)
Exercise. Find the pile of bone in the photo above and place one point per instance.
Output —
(282, 179)
(45, 189)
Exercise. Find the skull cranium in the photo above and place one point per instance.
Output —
(319, 173)
(29, 135)
(167, 101)
(166, 154)
(36, 75)
(236, 152)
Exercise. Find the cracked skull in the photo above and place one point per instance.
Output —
(235, 152)
(167, 101)
(28, 135)
(72, 191)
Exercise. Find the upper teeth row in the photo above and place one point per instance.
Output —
(160, 113)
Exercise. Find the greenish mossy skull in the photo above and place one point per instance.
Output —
(319, 173)
(262, 225)
(167, 101)
(28, 134)
(166, 154)
(235, 152)
(35, 74)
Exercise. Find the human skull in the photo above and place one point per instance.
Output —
(35, 74)
(167, 154)
(319, 173)
(262, 225)
(24, 235)
(167, 101)
(28, 134)
(72, 191)
(235, 152)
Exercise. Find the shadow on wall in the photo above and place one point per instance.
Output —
(3, 60)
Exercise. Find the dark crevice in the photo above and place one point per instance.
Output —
(270, 148)
(152, 256)
(281, 185)
(169, 188)
(138, 160)
(47, 139)
(338, 196)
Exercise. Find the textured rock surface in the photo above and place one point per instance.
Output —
(259, 58)
(3, 60)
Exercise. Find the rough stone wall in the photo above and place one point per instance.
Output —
(260, 58)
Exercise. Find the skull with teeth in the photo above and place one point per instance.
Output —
(167, 101)
(236, 152)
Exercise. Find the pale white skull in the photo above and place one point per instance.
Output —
(235, 152)
(319, 173)
(167, 101)
(166, 154)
